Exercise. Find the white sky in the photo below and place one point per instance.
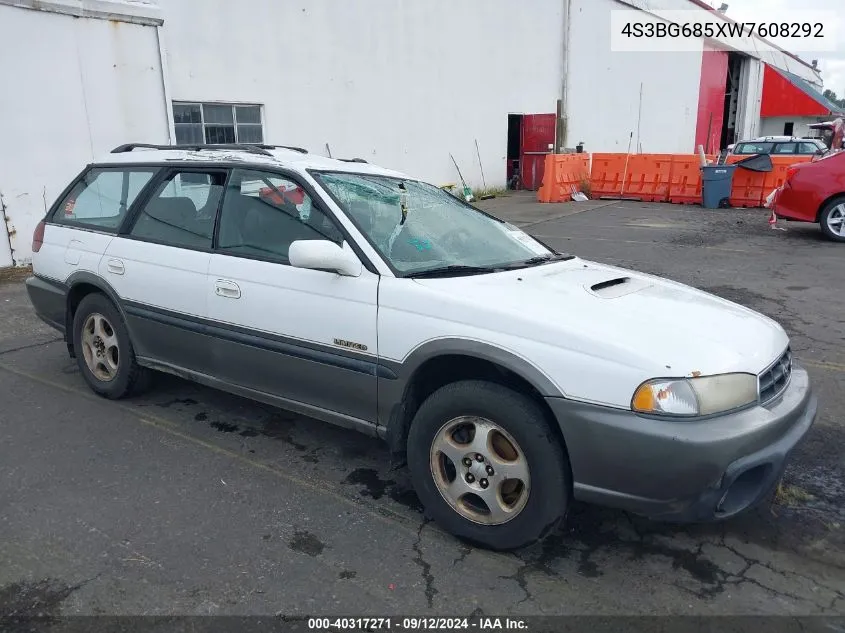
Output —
(832, 64)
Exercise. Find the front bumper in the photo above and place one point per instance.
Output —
(704, 470)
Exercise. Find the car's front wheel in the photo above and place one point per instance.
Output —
(832, 219)
(103, 349)
(487, 466)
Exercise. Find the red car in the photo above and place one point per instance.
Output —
(815, 192)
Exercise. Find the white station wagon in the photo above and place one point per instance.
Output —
(513, 378)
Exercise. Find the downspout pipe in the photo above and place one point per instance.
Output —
(563, 106)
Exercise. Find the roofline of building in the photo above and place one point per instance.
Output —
(131, 11)
(704, 5)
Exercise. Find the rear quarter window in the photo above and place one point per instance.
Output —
(101, 197)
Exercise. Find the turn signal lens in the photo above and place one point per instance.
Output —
(670, 397)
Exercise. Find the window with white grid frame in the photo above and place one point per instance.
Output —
(217, 123)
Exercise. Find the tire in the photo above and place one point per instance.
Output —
(116, 373)
(833, 211)
(516, 432)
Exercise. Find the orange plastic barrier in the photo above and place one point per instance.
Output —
(647, 177)
(561, 173)
(606, 174)
(685, 180)
(672, 178)
(748, 186)
(777, 176)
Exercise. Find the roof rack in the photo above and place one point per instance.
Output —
(352, 160)
(254, 148)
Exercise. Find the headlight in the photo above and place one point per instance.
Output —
(705, 395)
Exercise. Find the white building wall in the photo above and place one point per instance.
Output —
(773, 126)
(604, 89)
(398, 83)
(81, 86)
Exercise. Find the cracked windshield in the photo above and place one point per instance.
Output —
(419, 228)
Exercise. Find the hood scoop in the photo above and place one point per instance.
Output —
(616, 287)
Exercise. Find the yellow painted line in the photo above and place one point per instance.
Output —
(822, 365)
(171, 428)
(383, 514)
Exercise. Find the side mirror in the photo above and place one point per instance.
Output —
(324, 255)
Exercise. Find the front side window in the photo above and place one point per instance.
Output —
(754, 148)
(217, 124)
(101, 198)
(264, 213)
(419, 228)
(181, 211)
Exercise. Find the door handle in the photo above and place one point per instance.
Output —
(227, 289)
(115, 266)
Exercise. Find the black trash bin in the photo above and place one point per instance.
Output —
(716, 181)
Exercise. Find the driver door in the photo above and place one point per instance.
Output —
(307, 337)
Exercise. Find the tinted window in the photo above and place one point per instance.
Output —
(102, 197)
(182, 209)
(784, 148)
(264, 213)
(753, 148)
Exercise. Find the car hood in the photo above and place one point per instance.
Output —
(658, 326)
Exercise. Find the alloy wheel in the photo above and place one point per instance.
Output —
(100, 347)
(480, 470)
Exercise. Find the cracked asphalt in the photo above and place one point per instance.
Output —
(190, 501)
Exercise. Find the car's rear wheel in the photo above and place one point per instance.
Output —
(103, 349)
(487, 466)
(832, 219)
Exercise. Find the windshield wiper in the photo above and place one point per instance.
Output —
(454, 270)
(543, 259)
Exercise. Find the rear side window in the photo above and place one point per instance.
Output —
(808, 148)
(182, 209)
(784, 148)
(101, 198)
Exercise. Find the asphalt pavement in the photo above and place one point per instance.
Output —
(190, 501)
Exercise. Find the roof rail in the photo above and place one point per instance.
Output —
(352, 160)
(254, 148)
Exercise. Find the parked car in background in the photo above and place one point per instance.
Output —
(778, 146)
(514, 378)
(815, 192)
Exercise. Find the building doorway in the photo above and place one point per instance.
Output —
(514, 150)
(731, 106)
(531, 138)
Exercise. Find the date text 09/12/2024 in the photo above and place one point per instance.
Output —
(417, 624)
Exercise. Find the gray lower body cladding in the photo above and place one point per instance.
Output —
(49, 300)
(701, 470)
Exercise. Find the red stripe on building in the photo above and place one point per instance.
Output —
(782, 98)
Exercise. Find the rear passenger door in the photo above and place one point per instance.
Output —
(158, 267)
(87, 218)
(306, 336)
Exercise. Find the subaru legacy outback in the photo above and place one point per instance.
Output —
(511, 377)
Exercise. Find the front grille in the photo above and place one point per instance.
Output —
(774, 380)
